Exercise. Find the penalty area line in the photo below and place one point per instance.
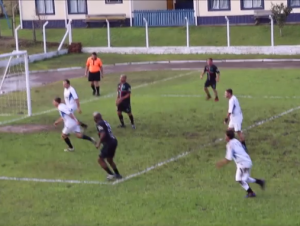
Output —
(175, 158)
(95, 99)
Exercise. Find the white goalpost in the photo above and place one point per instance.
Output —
(15, 96)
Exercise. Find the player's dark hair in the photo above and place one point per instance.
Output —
(210, 59)
(229, 91)
(230, 133)
(94, 54)
(57, 100)
(67, 81)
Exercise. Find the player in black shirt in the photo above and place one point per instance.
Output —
(123, 101)
(109, 147)
(213, 76)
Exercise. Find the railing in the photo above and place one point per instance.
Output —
(163, 18)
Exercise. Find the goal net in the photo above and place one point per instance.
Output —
(14, 84)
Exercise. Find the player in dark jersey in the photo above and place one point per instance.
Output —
(213, 76)
(123, 101)
(108, 150)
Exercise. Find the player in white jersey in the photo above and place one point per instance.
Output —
(235, 116)
(72, 99)
(71, 124)
(236, 152)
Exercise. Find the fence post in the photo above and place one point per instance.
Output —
(272, 30)
(187, 32)
(17, 37)
(228, 31)
(108, 33)
(147, 34)
(69, 27)
(44, 36)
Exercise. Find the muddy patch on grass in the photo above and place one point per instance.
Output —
(25, 128)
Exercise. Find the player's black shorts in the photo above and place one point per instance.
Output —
(94, 76)
(209, 83)
(123, 107)
(109, 149)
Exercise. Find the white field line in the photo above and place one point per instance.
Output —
(147, 169)
(95, 99)
(202, 146)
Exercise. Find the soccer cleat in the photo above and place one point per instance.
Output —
(133, 126)
(250, 195)
(94, 141)
(94, 93)
(208, 97)
(69, 149)
(217, 99)
(98, 94)
(110, 177)
(121, 126)
(118, 176)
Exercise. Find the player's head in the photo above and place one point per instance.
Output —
(94, 55)
(228, 93)
(209, 61)
(97, 116)
(66, 83)
(56, 101)
(123, 78)
(229, 134)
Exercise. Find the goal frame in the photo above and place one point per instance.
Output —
(22, 56)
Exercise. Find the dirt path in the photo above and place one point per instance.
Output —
(49, 77)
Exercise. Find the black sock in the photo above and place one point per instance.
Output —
(131, 119)
(121, 120)
(68, 142)
(93, 88)
(249, 190)
(108, 171)
(258, 181)
(85, 137)
(116, 171)
(98, 89)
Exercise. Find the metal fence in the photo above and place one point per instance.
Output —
(163, 18)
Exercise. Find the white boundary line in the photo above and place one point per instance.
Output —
(95, 99)
(149, 168)
(202, 146)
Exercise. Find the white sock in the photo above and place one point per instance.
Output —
(251, 180)
(244, 185)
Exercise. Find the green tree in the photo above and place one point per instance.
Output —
(280, 12)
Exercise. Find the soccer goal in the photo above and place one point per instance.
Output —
(14, 84)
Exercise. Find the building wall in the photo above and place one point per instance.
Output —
(149, 5)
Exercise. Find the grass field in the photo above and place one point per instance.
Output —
(78, 60)
(175, 36)
(183, 192)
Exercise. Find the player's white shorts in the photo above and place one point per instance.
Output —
(72, 109)
(236, 124)
(242, 174)
(71, 129)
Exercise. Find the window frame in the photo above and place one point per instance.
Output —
(110, 2)
(289, 4)
(41, 14)
(78, 13)
(253, 8)
(210, 2)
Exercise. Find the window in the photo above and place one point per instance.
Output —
(218, 5)
(294, 3)
(113, 1)
(252, 4)
(77, 6)
(44, 7)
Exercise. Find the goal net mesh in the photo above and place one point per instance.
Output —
(14, 85)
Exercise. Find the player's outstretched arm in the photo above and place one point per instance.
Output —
(58, 121)
(222, 163)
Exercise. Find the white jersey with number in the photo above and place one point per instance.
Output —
(235, 109)
(65, 112)
(70, 97)
(235, 151)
